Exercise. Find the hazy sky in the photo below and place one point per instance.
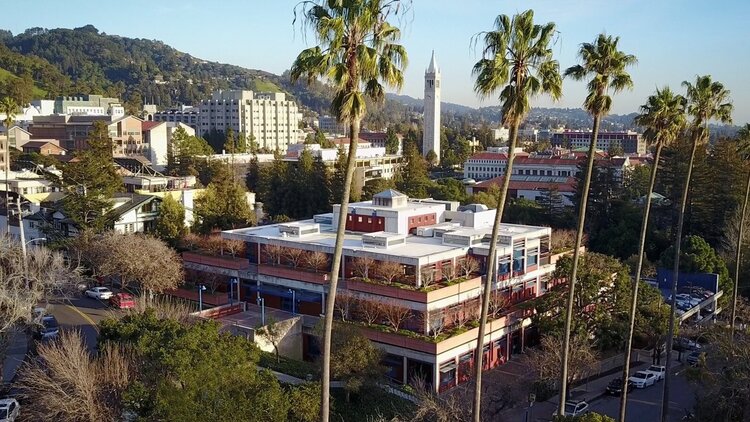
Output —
(674, 40)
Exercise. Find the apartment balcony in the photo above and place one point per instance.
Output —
(195, 260)
(422, 295)
(293, 273)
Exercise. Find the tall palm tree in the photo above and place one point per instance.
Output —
(516, 59)
(743, 137)
(357, 53)
(663, 117)
(8, 107)
(604, 65)
(706, 100)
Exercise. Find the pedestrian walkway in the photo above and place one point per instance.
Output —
(15, 355)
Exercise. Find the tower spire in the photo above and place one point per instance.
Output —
(433, 68)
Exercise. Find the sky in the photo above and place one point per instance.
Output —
(674, 40)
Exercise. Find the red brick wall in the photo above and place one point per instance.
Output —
(365, 223)
(422, 220)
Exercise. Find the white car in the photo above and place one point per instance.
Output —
(657, 370)
(9, 410)
(101, 293)
(575, 408)
(643, 379)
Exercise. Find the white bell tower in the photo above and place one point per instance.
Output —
(431, 138)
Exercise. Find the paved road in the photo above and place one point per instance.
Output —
(82, 314)
(645, 404)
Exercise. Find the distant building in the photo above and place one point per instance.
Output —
(501, 134)
(88, 105)
(431, 136)
(631, 142)
(185, 114)
(157, 136)
(533, 188)
(73, 131)
(269, 117)
(47, 147)
(331, 126)
(378, 140)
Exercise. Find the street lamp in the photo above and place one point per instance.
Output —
(201, 288)
(232, 282)
(294, 299)
(532, 399)
(40, 239)
(262, 303)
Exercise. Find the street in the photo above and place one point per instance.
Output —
(81, 313)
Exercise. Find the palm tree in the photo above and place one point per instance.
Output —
(357, 51)
(9, 108)
(517, 58)
(604, 65)
(706, 100)
(663, 117)
(743, 137)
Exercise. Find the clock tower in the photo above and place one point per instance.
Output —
(431, 138)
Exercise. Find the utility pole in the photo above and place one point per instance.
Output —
(20, 227)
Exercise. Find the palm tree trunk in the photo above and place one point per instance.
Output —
(738, 258)
(675, 275)
(491, 263)
(576, 256)
(634, 298)
(335, 266)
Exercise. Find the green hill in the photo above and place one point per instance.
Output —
(6, 76)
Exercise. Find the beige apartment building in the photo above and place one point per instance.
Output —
(270, 118)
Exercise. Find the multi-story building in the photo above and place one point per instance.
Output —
(88, 105)
(631, 142)
(73, 131)
(379, 139)
(186, 114)
(488, 165)
(371, 162)
(331, 126)
(269, 117)
(411, 280)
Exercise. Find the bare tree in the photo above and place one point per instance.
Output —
(394, 314)
(191, 241)
(547, 358)
(498, 304)
(233, 247)
(316, 260)
(428, 275)
(468, 266)
(390, 270)
(136, 258)
(164, 308)
(212, 281)
(449, 272)
(274, 253)
(345, 305)
(362, 265)
(436, 322)
(370, 311)
(274, 331)
(66, 383)
(24, 282)
(294, 255)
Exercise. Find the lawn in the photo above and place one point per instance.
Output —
(369, 403)
(38, 92)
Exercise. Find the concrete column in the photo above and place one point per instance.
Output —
(523, 338)
(405, 376)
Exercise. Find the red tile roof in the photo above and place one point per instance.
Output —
(148, 125)
(567, 186)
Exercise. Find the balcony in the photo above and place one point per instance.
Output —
(221, 261)
(292, 273)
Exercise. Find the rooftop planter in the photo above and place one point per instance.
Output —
(293, 273)
(222, 261)
(432, 293)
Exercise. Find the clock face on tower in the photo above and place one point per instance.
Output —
(428, 97)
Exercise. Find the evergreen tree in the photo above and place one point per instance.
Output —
(337, 181)
(183, 155)
(90, 181)
(391, 142)
(412, 179)
(170, 224)
(223, 205)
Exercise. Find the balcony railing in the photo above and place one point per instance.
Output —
(221, 261)
(293, 273)
(363, 286)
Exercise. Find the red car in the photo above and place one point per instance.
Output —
(122, 301)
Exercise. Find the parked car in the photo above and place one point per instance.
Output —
(615, 387)
(49, 328)
(101, 293)
(657, 370)
(575, 408)
(685, 344)
(9, 410)
(684, 305)
(122, 301)
(695, 357)
(643, 379)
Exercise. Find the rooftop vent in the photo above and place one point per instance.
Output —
(298, 229)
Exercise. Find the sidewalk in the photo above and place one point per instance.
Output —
(15, 355)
